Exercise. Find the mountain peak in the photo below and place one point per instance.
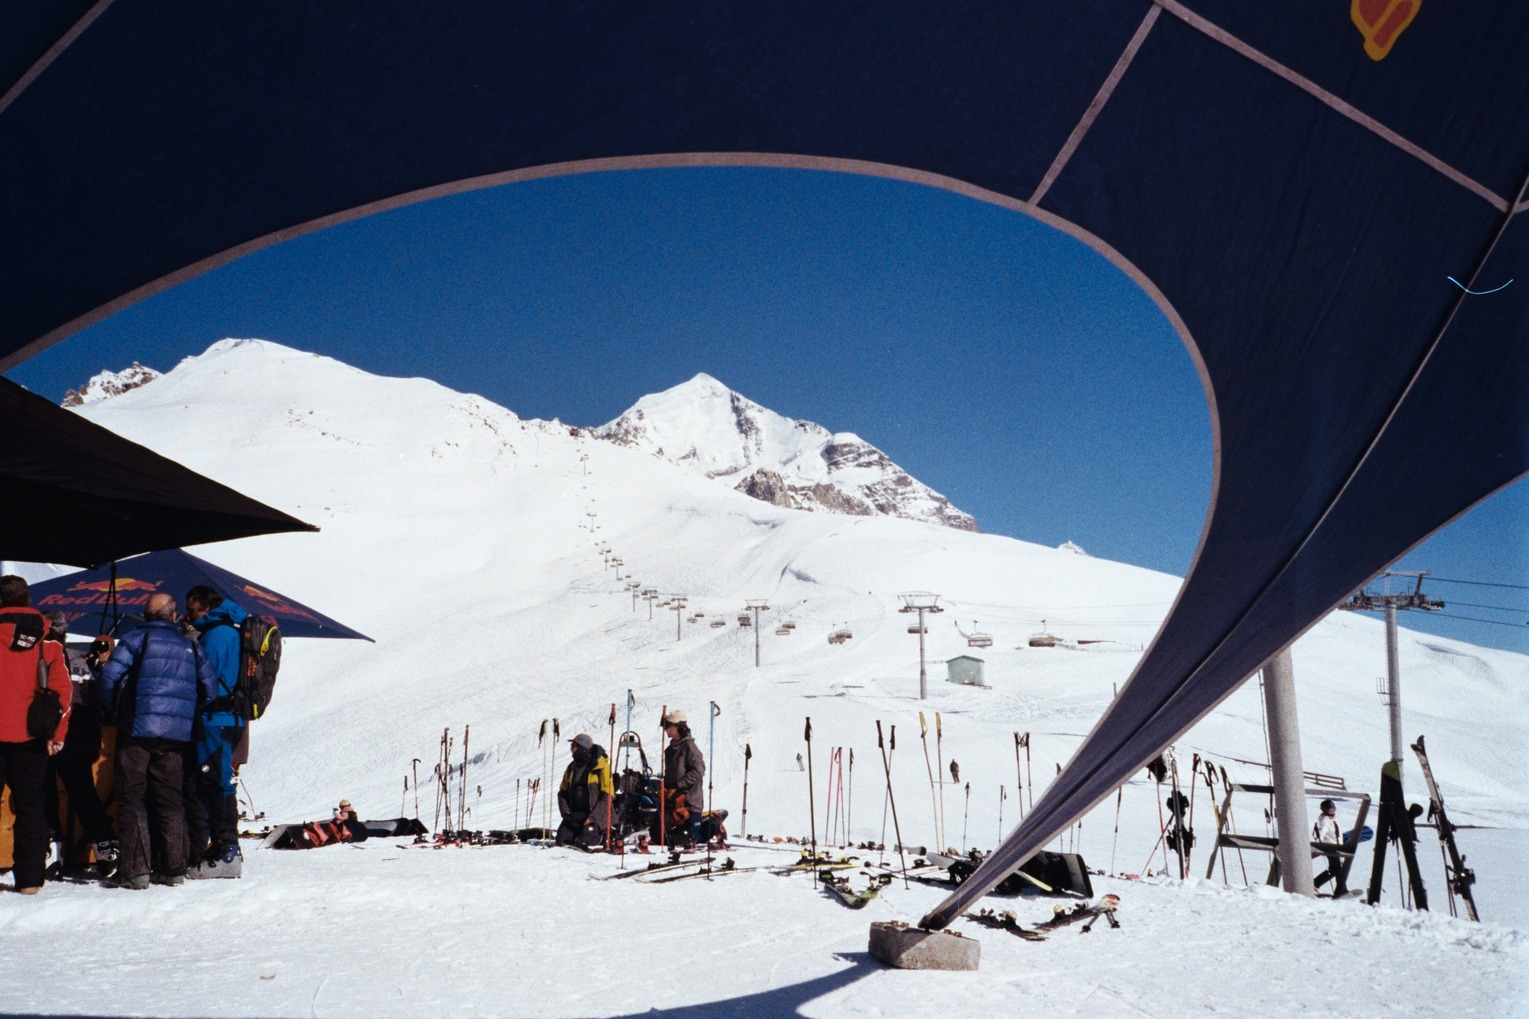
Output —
(711, 429)
(104, 385)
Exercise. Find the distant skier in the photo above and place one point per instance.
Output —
(1330, 840)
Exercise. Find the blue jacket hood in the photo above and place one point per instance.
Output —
(229, 612)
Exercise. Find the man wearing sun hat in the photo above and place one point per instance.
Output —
(583, 798)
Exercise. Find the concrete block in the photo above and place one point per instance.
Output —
(897, 944)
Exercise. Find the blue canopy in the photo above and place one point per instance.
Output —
(92, 600)
(1295, 183)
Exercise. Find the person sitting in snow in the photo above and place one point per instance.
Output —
(584, 797)
(684, 781)
(1330, 841)
(344, 827)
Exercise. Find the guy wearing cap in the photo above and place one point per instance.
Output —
(583, 798)
(684, 779)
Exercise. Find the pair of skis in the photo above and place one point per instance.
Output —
(1064, 916)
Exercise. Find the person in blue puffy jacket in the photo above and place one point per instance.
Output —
(152, 688)
(212, 802)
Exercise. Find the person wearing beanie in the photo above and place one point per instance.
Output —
(584, 796)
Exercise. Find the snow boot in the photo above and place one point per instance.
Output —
(106, 859)
(221, 862)
(137, 882)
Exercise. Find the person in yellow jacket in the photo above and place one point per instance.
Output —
(584, 797)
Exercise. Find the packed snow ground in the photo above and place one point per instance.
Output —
(459, 536)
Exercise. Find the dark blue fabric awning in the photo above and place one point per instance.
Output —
(1294, 183)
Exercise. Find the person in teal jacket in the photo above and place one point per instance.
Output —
(212, 804)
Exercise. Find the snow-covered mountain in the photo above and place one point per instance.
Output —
(469, 543)
(106, 384)
(708, 428)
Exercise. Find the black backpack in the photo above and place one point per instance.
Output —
(259, 661)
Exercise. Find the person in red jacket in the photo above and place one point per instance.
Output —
(24, 657)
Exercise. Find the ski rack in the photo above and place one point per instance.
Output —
(1269, 844)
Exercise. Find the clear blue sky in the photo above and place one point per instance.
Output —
(1004, 364)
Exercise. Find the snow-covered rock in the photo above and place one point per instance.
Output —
(708, 428)
(106, 384)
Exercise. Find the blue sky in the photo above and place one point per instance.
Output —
(997, 360)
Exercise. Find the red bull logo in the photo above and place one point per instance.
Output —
(124, 584)
(1382, 22)
(275, 603)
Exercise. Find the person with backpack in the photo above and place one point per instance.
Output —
(152, 689)
(212, 802)
(30, 668)
(584, 797)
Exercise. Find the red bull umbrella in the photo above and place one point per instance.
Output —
(115, 595)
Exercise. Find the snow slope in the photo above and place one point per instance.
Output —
(460, 537)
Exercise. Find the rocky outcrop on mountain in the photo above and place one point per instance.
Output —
(107, 384)
(707, 427)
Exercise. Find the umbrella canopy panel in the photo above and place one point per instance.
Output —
(88, 594)
(76, 493)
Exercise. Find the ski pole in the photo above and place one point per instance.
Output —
(462, 798)
(711, 752)
(663, 778)
(1019, 777)
(711, 757)
(966, 817)
(403, 801)
(1029, 773)
(626, 759)
(939, 757)
(849, 800)
(748, 755)
(886, 764)
(812, 815)
(1119, 798)
(1194, 787)
(934, 810)
(828, 802)
(1002, 795)
(553, 782)
(542, 745)
(416, 788)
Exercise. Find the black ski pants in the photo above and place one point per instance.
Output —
(74, 766)
(23, 769)
(150, 773)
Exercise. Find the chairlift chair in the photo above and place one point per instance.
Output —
(744, 620)
(783, 631)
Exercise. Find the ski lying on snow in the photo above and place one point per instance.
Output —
(1067, 915)
(1005, 921)
(839, 886)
